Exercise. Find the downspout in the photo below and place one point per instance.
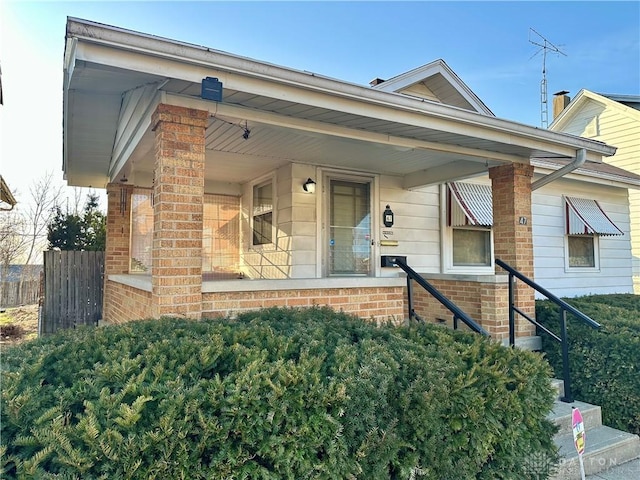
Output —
(581, 157)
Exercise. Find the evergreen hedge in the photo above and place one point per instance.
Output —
(605, 363)
(273, 394)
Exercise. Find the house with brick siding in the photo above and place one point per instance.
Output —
(235, 184)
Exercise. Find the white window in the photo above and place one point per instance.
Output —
(582, 251)
(471, 247)
(467, 234)
(585, 221)
(141, 231)
(221, 237)
(262, 218)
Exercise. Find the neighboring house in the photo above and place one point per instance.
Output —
(17, 273)
(614, 119)
(235, 184)
(7, 200)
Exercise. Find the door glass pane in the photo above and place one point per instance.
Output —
(263, 214)
(349, 229)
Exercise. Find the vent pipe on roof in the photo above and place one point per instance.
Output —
(581, 157)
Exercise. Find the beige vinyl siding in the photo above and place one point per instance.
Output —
(303, 223)
(614, 273)
(271, 261)
(585, 123)
(416, 227)
(420, 90)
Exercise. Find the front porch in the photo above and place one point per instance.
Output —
(381, 159)
(191, 273)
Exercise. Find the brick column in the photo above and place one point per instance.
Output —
(512, 233)
(118, 237)
(177, 211)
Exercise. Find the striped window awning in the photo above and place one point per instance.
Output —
(469, 204)
(586, 217)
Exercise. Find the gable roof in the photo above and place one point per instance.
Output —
(625, 104)
(437, 82)
(632, 101)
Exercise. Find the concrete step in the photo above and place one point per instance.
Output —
(605, 448)
(561, 416)
(558, 386)
(532, 343)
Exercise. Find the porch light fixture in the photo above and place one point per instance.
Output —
(309, 186)
(247, 132)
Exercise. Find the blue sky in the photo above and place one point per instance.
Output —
(485, 43)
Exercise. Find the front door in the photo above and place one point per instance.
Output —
(349, 227)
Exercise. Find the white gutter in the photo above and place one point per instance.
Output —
(581, 157)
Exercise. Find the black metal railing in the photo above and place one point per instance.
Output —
(458, 314)
(564, 308)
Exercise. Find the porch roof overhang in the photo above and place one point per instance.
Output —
(115, 78)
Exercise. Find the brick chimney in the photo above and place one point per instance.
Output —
(560, 101)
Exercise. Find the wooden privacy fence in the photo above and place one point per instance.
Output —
(23, 292)
(73, 283)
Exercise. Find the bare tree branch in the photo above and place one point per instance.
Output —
(45, 195)
(13, 241)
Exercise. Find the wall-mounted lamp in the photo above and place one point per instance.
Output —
(387, 217)
(309, 186)
(246, 132)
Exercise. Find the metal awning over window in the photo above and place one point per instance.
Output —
(469, 204)
(585, 216)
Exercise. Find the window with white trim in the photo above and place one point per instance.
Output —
(585, 222)
(468, 238)
(582, 251)
(262, 217)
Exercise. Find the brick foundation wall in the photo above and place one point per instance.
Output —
(379, 303)
(125, 303)
(485, 302)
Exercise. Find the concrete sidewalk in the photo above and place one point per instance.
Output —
(626, 471)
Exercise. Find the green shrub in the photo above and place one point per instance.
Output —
(605, 363)
(274, 394)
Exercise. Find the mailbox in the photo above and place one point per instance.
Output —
(390, 260)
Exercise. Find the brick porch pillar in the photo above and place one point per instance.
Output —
(118, 237)
(177, 211)
(512, 233)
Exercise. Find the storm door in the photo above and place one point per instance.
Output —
(349, 228)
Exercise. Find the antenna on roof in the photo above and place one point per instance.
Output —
(545, 46)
